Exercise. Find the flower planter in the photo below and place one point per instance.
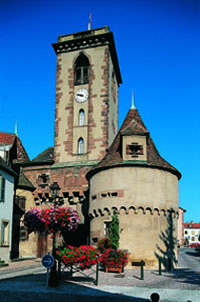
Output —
(114, 260)
(114, 269)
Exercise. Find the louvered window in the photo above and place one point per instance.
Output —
(81, 70)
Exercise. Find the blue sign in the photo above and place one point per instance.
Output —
(48, 261)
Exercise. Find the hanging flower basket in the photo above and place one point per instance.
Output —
(60, 219)
(52, 220)
(33, 221)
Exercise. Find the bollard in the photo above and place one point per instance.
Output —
(59, 269)
(159, 267)
(142, 269)
(169, 264)
(141, 264)
(155, 297)
(97, 274)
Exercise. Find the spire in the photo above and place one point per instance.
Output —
(133, 101)
(16, 128)
(90, 22)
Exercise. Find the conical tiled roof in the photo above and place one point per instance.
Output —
(133, 125)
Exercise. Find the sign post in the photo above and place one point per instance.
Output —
(47, 261)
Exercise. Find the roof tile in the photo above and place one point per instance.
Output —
(10, 139)
(46, 155)
(133, 125)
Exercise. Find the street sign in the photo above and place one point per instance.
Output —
(48, 261)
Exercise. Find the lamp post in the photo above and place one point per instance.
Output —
(53, 278)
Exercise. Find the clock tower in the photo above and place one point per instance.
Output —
(87, 81)
(86, 121)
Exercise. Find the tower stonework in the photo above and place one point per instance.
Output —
(87, 80)
(86, 120)
(142, 187)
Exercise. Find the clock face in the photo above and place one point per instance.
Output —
(81, 95)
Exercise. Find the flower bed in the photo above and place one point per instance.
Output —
(83, 257)
(111, 258)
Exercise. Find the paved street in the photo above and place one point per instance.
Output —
(26, 281)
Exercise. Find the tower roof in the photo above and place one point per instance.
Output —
(133, 125)
(89, 39)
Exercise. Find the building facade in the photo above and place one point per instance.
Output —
(12, 156)
(191, 233)
(7, 180)
(180, 238)
(98, 168)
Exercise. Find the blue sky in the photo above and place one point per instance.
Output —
(158, 47)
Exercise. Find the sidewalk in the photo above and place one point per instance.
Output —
(181, 285)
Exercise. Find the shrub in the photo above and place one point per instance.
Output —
(114, 231)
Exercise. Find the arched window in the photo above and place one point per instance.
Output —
(80, 145)
(81, 117)
(81, 70)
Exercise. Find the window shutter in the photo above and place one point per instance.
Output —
(2, 188)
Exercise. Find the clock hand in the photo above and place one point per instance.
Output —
(78, 94)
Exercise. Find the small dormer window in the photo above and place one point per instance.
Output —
(134, 149)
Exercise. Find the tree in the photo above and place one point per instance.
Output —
(114, 230)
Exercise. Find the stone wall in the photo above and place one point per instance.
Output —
(147, 202)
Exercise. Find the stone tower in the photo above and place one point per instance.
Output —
(86, 120)
(88, 76)
(134, 180)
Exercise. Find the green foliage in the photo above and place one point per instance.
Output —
(114, 231)
(104, 244)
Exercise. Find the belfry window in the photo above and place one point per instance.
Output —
(81, 70)
(80, 145)
(81, 117)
